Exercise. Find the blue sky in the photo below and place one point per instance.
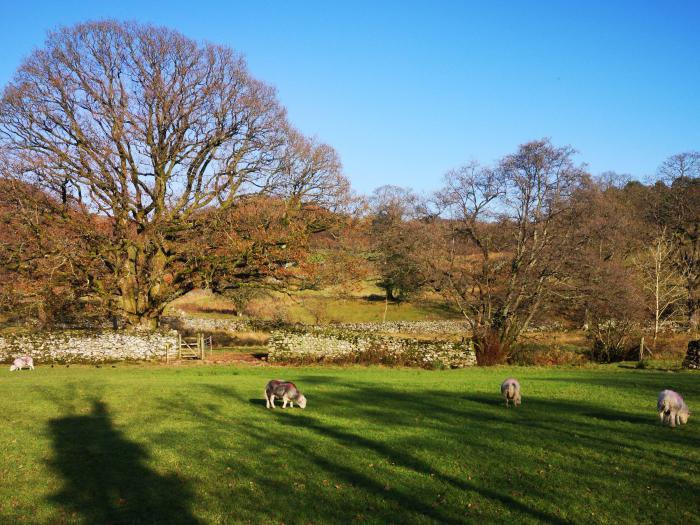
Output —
(407, 90)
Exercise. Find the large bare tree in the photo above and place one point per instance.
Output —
(505, 240)
(147, 129)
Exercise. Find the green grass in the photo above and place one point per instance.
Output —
(148, 444)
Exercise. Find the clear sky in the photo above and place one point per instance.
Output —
(407, 90)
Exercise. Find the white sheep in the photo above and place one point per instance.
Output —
(22, 362)
(672, 409)
(510, 389)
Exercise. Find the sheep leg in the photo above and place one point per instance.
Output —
(272, 400)
(673, 417)
(284, 405)
(291, 404)
(267, 401)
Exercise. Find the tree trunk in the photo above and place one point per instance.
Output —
(141, 286)
(490, 347)
(144, 322)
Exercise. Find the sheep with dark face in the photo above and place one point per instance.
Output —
(22, 362)
(672, 409)
(510, 389)
(285, 390)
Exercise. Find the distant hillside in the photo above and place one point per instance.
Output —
(361, 303)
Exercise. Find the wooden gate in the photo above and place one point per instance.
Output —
(192, 347)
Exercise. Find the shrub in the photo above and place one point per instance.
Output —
(613, 340)
(490, 350)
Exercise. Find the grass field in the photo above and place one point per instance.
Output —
(195, 444)
(330, 305)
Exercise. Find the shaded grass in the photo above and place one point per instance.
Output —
(375, 445)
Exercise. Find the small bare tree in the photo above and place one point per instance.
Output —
(661, 281)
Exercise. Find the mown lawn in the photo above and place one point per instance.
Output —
(196, 445)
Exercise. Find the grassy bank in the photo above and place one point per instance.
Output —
(196, 445)
(330, 305)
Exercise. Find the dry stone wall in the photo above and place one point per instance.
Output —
(199, 324)
(85, 347)
(446, 327)
(345, 346)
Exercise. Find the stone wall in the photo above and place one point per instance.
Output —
(201, 324)
(444, 327)
(87, 347)
(336, 346)
(692, 356)
(197, 324)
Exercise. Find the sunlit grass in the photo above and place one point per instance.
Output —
(142, 444)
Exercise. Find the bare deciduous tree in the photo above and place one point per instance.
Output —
(146, 128)
(507, 232)
(680, 165)
(311, 173)
(662, 283)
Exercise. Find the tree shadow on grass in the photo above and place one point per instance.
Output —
(586, 420)
(587, 443)
(650, 381)
(408, 461)
(106, 480)
(558, 408)
(416, 504)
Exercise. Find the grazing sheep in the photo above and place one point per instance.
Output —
(286, 390)
(672, 409)
(22, 362)
(510, 388)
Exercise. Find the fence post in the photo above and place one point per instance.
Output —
(641, 349)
